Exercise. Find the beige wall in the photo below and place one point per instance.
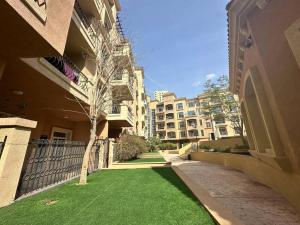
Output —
(224, 143)
(39, 37)
(270, 81)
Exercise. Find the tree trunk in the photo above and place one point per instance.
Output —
(86, 157)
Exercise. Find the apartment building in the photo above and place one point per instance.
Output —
(141, 103)
(48, 61)
(182, 120)
(264, 57)
(152, 117)
(158, 95)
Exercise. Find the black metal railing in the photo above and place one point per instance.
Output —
(52, 162)
(115, 109)
(70, 70)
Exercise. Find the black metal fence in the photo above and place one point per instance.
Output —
(50, 162)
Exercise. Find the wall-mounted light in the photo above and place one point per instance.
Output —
(17, 92)
(248, 42)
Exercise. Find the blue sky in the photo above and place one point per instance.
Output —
(178, 42)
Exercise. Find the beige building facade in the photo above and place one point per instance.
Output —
(264, 52)
(181, 120)
(55, 61)
(158, 95)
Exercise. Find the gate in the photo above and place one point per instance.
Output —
(50, 162)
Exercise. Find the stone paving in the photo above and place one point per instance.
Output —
(250, 202)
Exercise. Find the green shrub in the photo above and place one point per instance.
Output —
(223, 149)
(129, 147)
(152, 143)
(204, 147)
(167, 146)
(242, 147)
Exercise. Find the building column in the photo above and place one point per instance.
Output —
(262, 143)
(17, 132)
(267, 114)
(249, 131)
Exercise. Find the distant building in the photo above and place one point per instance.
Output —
(182, 120)
(158, 95)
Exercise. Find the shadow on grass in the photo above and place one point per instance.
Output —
(168, 174)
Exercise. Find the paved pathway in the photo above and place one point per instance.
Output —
(232, 196)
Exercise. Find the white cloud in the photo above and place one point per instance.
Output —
(210, 76)
(197, 83)
(201, 81)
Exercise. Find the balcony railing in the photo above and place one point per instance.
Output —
(70, 70)
(125, 79)
(123, 111)
(89, 24)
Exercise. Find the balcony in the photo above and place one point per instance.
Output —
(171, 135)
(83, 30)
(63, 72)
(160, 110)
(122, 87)
(123, 55)
(92, 7)
(120, 116)
(160, 128)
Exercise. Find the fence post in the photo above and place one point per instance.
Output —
(18, 133)
(101, 156)
(111, 151)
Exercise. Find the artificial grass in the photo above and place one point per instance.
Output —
(145, 160)
(112, 197)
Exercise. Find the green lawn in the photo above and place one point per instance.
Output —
(112, 197)
(144, 160)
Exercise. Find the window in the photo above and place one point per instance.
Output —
(193, 133)
(223, 131)
(181, 124)
(191, 104)
(208, 124)
(220, 120)
(202, 132)
(161, 136)
(161, 126)
(204, 104)
(171, 135)
(180, 115)
(197, 104)
(237, 130)
(217, 110)
(182, 134)
(160, 117)
(192, 123)
(179, 106)
(191, 113)
(170, 125)
(170, 116)
(169, 107)
(200, 122)
(233, 109)
(61, 134)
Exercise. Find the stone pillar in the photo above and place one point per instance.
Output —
(17, 131)
(111, 151)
